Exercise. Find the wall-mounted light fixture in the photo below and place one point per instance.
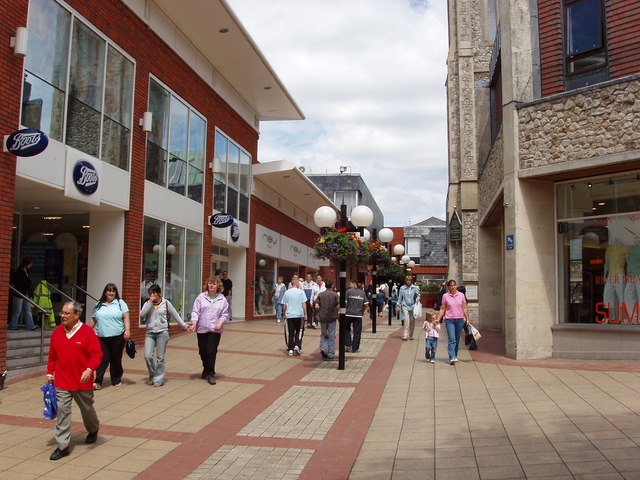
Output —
(145, 121)
(19, 42)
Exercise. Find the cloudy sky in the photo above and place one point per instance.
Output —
(369, 76)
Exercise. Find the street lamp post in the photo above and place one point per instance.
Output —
(361, 217)
(385, 236)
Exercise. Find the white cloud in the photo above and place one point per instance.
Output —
(369, 76)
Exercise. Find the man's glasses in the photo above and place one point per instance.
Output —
(65, 314)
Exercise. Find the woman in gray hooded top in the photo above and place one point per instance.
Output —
(156, 311)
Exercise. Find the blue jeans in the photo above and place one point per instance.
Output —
(21, 305)
(279, 311)
(353, 342)
(432, 348)
(454, 329)
(156, 341)
(328, 338)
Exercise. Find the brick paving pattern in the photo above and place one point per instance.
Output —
(388, 415)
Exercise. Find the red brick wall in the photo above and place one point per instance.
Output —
(275, 220)
(623, 30)
(623, 41)
(13, 14)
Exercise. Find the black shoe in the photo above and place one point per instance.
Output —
(324, 355)
(91, 438)
(211, 379)
(58, 454)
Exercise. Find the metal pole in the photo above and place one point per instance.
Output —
(390, 284)
(342, 312)
(374, 281)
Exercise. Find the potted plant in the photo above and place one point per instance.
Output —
(429, 294)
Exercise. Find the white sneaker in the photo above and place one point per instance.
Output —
(453, 361)
(278, 320)
(296, 350)
(433, 361)
(291, 353)
(404, 338)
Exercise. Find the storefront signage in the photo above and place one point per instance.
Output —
(85, 177)
(27, 142)
(510, 242)
(267, 241)
(221, 220)
(235, 232)
(293, 251)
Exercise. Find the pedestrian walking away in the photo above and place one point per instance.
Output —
(432, 333)
(294, 311)
(210, 313)
(110, 320)
(74, 355)
(327, 307)
(455, 311)
(356, 302)
(156, 312)
(407, 297)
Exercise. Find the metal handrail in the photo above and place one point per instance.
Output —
(59, 291)
(84, 291)
(43, 312)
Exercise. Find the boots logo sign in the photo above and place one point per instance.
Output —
(221, 220)
(85, 177)
(27, 142)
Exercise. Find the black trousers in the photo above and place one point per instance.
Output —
(293, 332)
(112, 348)
(208, 348)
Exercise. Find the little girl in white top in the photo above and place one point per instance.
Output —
(432, 333)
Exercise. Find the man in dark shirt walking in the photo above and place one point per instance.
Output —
(357, 303)
(327, 305)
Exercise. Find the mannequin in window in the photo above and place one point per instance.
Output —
(614, 274)
(632, 288)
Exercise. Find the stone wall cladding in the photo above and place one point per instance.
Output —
(491, 176)
(589, 123)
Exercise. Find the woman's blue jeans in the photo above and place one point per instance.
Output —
(21, 305)
(158, 342)
(454, 330)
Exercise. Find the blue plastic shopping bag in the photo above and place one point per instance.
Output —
(50, 401)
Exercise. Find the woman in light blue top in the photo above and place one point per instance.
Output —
(110, 319)
(156, 312)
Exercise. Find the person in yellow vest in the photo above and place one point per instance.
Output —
(42, 298)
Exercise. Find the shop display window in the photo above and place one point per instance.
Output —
(599, 250)
(265, 280)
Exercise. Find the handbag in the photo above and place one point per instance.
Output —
(417, 309)
(50, 411)
(474, 332)
(130, 347)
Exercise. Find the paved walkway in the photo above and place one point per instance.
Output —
(388, 415)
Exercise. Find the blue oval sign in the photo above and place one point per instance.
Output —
(235, 232)
(221, 220)
(85, 177)
(27, 142)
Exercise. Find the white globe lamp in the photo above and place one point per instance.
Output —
(171, 249)
(406, 259)
(411, 264)
(325, 217)
(366, 235)
(361, 216)
(398, 249)
(385, 235)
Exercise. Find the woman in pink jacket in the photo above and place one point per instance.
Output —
(210, 312)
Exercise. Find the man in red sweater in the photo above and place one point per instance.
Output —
(74, 355)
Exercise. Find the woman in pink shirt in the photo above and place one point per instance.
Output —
(210, 312)
(454, 310)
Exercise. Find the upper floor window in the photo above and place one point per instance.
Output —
(584, 36)
(78, 87)
(232, 178)
(175, 144)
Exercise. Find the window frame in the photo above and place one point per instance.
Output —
(167, 137)
(572, 58)
(74, 17)
(222, 170)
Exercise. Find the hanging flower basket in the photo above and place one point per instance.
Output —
(336, 245)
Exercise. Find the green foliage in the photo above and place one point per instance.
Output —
(337, 245)
(429, 288)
